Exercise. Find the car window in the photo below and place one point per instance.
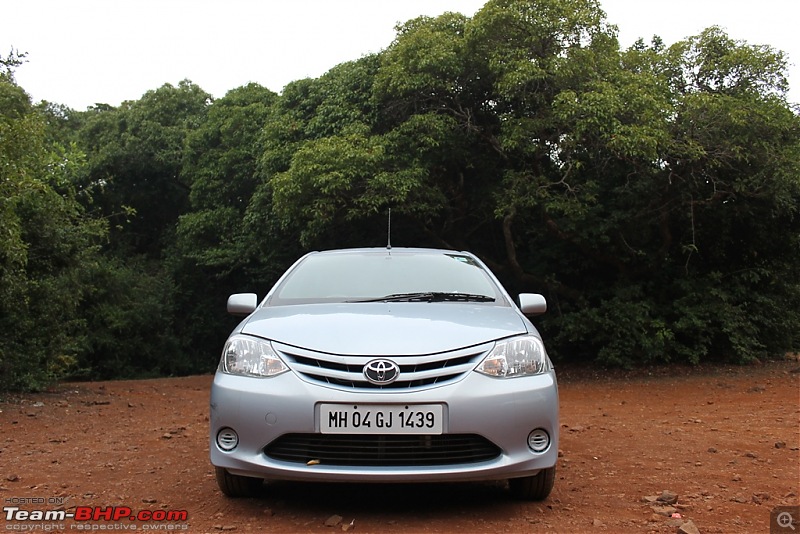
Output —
(370, 275)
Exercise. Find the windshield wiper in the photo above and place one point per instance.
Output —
(430, 296)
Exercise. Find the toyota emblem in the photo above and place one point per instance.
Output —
(381, 372)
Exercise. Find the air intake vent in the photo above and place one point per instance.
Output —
(383, 450)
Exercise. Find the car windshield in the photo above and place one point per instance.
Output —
(386, 276)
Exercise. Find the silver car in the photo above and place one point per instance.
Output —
(385, 365)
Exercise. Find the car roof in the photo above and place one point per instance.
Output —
(389, 250)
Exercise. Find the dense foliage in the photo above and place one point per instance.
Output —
(651, 194)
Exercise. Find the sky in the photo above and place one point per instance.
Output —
(84, 52)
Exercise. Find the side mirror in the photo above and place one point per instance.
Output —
(532, 303)
(242, 304)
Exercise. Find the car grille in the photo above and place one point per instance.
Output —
(347, 372)
(382, 450)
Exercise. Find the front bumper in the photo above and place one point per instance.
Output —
(504, 411)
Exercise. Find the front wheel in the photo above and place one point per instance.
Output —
(236, 485)
(533, 488)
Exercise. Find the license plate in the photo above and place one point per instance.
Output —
(381, 419)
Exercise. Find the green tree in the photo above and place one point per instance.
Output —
(130, 309)
(48, 240)
(134, 179)
(651, 193)
(637, 189)
(314, 117)
(692, 168)
(135, 161)
(214, 254)
(220, 166)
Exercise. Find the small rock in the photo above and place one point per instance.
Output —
(750, 455)
(780, 444)
(712, 450)
(333, 521)
(149, 501)
(38, 404)
(349, 526)
(668, 497)
(688, 528)
(166, 436)
(13, 478)
(597, 523)
(736, 478)
(664, 510)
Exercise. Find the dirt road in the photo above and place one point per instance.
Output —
(725, 440)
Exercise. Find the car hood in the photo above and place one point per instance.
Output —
(385, 329)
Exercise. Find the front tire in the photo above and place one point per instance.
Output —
(533, 488)
(236, 485)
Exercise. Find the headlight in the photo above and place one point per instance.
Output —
(247, 356)
(519, 356)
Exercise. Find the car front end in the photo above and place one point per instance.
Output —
(398, 389)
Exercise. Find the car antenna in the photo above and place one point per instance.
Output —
(389, 232)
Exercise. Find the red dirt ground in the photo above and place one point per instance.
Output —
(725, 440)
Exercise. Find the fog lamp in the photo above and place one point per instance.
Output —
(227, 439)
(539, 440)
